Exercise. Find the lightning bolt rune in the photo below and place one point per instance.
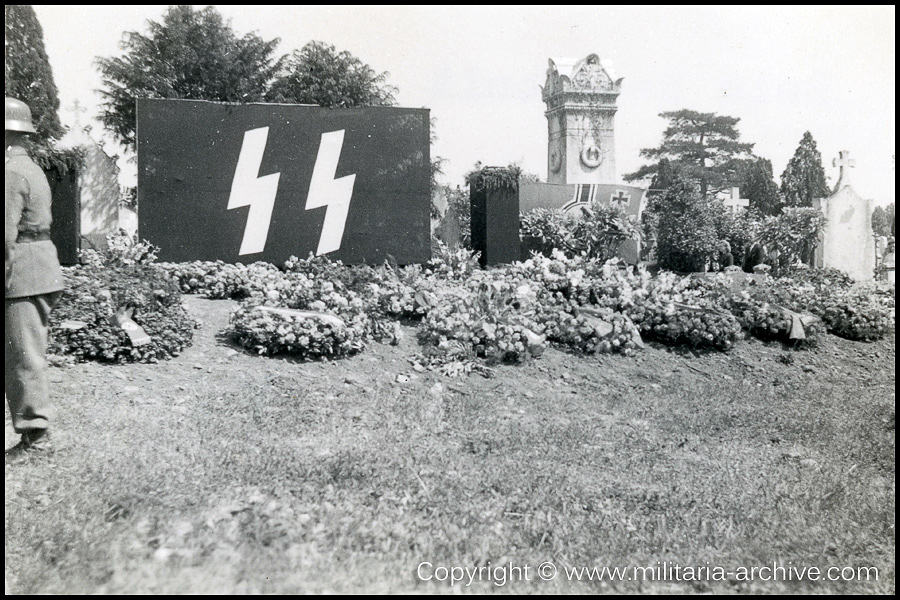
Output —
(325, 190)
(249, 189)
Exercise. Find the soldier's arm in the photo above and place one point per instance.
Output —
(16, 191)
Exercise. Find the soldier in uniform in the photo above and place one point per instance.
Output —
(34, 285)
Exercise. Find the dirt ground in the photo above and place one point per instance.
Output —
(139, 493)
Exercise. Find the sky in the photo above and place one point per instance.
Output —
(829, 70)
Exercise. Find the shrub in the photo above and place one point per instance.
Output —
(597, 234)
(549, 229)
(738, 230)
(791, 237)
(687, 237)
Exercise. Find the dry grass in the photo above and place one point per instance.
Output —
(224, 472)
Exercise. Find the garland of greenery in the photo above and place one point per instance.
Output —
(494, 178)
(58, 159)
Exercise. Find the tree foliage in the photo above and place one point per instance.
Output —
(739, 230)
(688, 228)
(791, 237)
(757, 184)
(663, 177)
(883, 220)
(28, 75)
(803, 179)
(701, 147)
(190, 54)
(319, 74)
(597, 233)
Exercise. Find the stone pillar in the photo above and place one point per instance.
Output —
(581, 105)
(495, 223)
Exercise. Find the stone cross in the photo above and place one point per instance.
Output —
(845, 163)
(77, 109)
(735, 202)
(621, 198)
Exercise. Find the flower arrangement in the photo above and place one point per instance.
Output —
(82, 326)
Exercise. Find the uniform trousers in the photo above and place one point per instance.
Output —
(27, 385)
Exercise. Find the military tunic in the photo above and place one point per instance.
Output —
(33, 286)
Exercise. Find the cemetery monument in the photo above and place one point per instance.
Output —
(581, 105)
(847, 243)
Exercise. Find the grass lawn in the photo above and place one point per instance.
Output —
(224, 472)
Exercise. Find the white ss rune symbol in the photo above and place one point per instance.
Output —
(249, 189)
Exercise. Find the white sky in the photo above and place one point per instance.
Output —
(783, 71)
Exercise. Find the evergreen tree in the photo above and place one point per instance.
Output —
(883, 220)
(663, 177)
(701, 147)
(803, 179)
(319, 74)
(758, 185)
(28, 75)
(191, 54)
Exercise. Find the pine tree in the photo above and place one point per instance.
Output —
(701, 147)
(803, 179)
(28, 75)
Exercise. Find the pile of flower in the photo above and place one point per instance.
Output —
(82, 324)
(667, 308)
(591, 331)
(509, 313)
(454, 264)
(489, 316)
(859, 315)
(387, 293)
(219, 280)
(341, 328)
(268, 332)
(848, 311)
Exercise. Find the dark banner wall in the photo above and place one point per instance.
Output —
(65, 230)
(242, 183)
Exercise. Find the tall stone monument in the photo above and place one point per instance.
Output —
(848, 243)
(581, 104)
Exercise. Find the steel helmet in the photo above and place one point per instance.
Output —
(18, 116)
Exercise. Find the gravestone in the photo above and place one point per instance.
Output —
(847, 243)
(581, 105)
(889, 268)
(98, 186)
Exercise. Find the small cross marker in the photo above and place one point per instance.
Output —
(77, 109)
(735, 202)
